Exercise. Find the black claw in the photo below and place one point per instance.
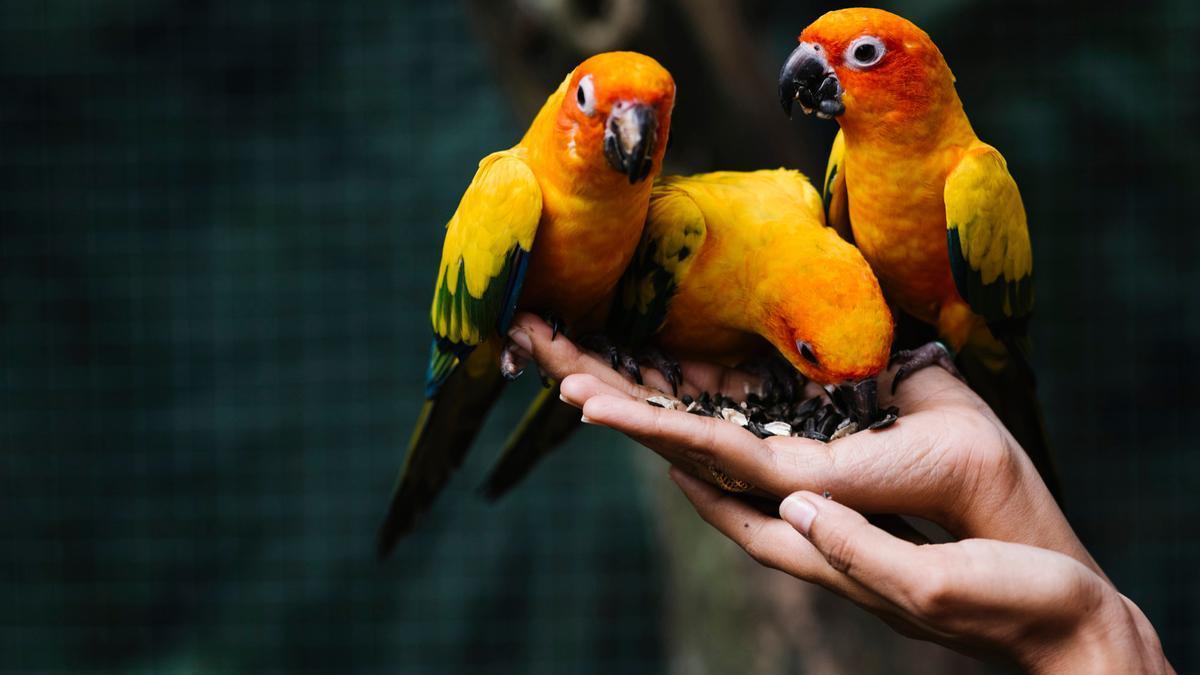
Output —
(676, 379)
(556, 324)
(928, 354)
(629, 366)
(614, 357)
(668, 367)
(620, 361)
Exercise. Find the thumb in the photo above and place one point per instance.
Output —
(850, 544)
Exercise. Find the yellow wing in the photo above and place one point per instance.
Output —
(484, 258)
(674, 234)
(834, 195)
(987, 236)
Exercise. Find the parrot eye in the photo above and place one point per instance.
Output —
(864, 52)
(585, 95)
(807, 352)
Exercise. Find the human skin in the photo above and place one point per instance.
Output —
(1017, 586)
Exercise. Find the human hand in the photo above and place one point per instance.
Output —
(1043, 610)
(948, 459)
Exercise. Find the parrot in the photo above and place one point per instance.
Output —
(934, 210)
(733, 267)
(549, 226)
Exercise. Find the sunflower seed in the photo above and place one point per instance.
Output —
(844, 429)
(821, 418)
(734, 415)
(661, 402)
(778, 428)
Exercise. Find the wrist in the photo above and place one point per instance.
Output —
(1106, 639)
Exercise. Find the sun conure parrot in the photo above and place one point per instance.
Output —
(549, 226)
(934, 209)
(734, 267)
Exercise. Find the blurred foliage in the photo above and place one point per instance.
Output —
(218, 236)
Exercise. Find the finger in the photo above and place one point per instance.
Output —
(578, 388)
(895, 470)
(778, 466)
(887, 566)
(889, 471)
(700, 377)
(560, 357)
(677, 435)
(901, 469)
(771, 541)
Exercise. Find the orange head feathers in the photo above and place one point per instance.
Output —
(616, 111)
(866, 66)
(828, 316)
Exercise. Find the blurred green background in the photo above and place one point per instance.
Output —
(218, 230)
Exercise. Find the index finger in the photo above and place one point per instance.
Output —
(560, 358)
(886, 471)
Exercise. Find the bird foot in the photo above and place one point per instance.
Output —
(557, 325)
(629, 363)
(780, 379)
(666, 366)
(929, 354)
(513, 360)
(622, 362)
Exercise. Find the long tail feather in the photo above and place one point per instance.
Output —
(547, 424)
(448, 424)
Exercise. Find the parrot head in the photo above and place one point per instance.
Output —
(616, 111)
(830, 320)
(865, 65)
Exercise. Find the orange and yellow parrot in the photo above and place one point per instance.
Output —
(933, 209)
(549, 226)
(734, 267)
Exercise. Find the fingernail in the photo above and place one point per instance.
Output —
(586, 420)
(522, 339)
(798, 512)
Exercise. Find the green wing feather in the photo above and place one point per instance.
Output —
(484, 259)
(675, 233)
(992, 263)
(987, 238)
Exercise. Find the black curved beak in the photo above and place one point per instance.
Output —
(630, 137)
(861, 400)
(864, 401)
(807, 78)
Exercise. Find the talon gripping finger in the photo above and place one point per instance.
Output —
(929, 354)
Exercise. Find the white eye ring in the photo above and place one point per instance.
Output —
(864, 52)
(585, 95)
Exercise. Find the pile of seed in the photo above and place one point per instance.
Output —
(821, 418)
